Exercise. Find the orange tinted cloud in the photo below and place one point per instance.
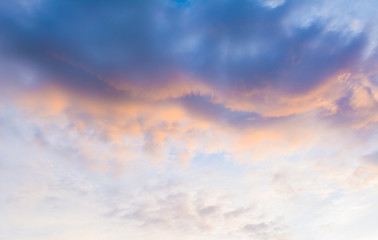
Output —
(159, 122)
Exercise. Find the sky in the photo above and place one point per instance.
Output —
(188, 119)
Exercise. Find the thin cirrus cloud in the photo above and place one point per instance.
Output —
(188, 119)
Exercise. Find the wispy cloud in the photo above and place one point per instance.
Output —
(188, 119)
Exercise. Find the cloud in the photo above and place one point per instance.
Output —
(119, 65)
(85, 47)
(206, 119)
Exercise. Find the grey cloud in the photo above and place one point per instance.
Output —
(256, 227)
(266, 230)
(237, 212)
(371, 158)
(208, 210)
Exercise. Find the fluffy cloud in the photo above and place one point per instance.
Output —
(264, 111)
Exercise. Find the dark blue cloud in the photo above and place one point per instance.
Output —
(202, 107)
(240, 45)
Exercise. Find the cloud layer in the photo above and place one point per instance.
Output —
(188, 119)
